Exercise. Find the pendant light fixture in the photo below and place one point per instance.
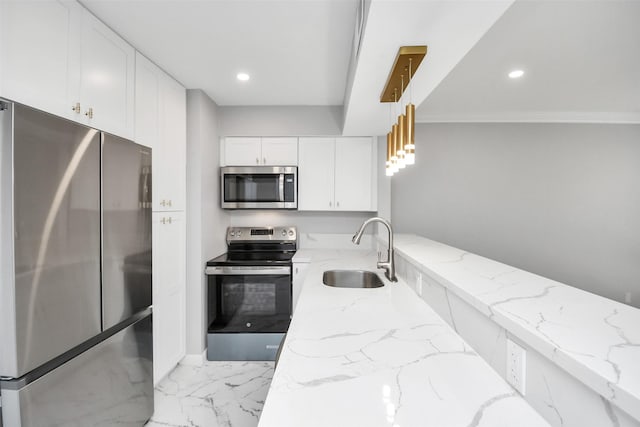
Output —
(389, 168)
(410, 146)
(401, 130)
(401, 139)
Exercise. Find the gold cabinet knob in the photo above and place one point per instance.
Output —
(76, 108)
(89, 113)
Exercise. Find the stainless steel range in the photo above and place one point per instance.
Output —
(249, 293)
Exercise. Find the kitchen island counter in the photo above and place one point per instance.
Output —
(381, 357)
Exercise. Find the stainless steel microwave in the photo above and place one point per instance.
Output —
(259, 187)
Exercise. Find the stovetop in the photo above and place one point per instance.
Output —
(252, 258)
(257, 246)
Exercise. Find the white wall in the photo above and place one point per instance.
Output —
(559, 200)
(384, 188)
(281, 121)
(206, 222)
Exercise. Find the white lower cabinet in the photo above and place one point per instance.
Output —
(299, 274)
(169, 291)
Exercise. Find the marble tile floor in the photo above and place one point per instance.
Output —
(216, 394)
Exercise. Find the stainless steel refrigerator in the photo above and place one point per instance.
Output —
(75, 274)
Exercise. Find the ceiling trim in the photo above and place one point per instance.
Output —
(534, 117)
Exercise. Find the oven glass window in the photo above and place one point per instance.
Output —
(259, 303)
(252, 187)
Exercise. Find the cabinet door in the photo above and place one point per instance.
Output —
(315, 174)
(147, 101)
(280, 151)
(107, 68)
(36, 53)
(355, 183)
(169, 277)
(299, 274)
(241, 151)
(173, 141)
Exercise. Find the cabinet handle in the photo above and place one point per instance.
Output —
(337, 204)
(169, 204)
(76, 108)
(89, 113)
(257, 161)
(165, 220)
(264, 160)
(296, 270)
(169, 220)
(329, 204)
(163, 203)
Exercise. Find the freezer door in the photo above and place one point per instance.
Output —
(50, 296)
(109, 384)
(126, 229)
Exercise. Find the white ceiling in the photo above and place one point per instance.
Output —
(580, 57)
(581, 61)
(449, 29)
(296, 51)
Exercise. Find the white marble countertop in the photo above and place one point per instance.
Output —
(595, 339)
(381, 357)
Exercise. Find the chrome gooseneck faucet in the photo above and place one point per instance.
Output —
(389, 265)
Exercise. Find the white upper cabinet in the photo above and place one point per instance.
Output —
(147, 101)
(36, 49)
(256, 151)
(171, 170)
(355, 188)
(107, 69)
(337, 174)
(161, 123)
(316, 174)
(240, 151)
(280, 151)
(57, 57)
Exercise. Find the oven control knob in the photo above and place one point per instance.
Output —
(232, 234)
(290, 232)
(239, 233)
(284, 232)
(248, 324)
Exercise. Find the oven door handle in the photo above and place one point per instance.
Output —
(248, 271)
(281, 186)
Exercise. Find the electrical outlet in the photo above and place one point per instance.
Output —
(419, 284)
(516, 366)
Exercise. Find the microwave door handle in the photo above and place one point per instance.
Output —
(281, 186)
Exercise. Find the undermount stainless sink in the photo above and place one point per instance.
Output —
(351, 279)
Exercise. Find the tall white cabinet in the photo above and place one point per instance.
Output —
(161, 124)
(337, 174)
(57, 57)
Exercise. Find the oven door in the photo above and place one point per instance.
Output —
(259, 187)
(249, 299)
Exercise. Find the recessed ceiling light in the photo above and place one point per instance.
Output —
(515, 74)
(243, 77)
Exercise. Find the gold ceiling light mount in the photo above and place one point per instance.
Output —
(401, 139)
(401, 68)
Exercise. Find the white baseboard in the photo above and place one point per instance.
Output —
(194, 359)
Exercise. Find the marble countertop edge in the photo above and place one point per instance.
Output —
(603, 375)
